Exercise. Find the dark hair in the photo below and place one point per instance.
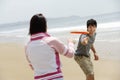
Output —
(91, 22)
(38, 24)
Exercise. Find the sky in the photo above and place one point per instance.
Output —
(23, 10)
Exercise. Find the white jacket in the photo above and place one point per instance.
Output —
(43, 54)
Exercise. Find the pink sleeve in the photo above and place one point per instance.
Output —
(66, 50)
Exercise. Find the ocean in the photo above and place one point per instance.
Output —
(109, 31)
(107, 39)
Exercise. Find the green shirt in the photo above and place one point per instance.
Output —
(84, 49)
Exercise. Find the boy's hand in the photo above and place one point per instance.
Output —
(96, 57)
(85, 40)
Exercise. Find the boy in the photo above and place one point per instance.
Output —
(82, 55)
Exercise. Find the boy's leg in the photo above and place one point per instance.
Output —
(86, 65)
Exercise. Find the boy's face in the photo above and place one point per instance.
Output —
(91, 29)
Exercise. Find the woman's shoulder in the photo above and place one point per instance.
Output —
(51, 39)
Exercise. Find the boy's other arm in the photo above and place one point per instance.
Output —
(95, 54)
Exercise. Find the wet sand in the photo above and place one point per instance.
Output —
(14, 66)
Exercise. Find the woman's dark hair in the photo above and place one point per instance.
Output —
(91, 22)
(38, 24)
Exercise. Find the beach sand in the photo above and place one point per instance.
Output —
(14, 66)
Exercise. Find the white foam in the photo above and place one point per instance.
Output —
(102, 26)
(109, 25)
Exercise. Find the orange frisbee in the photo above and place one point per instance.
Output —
(79, 32)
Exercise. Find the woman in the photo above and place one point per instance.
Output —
(43, 51)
